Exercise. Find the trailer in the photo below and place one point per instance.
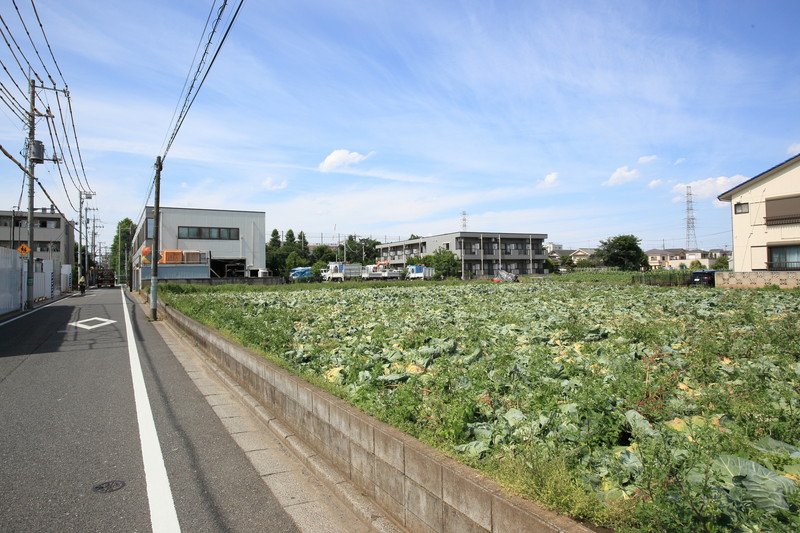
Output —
(339, 271)
(420, 272)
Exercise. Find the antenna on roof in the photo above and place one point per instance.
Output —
(463, 221)
(691, 238)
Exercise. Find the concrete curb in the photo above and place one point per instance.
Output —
(366, 460)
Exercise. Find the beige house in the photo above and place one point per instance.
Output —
(765, 213)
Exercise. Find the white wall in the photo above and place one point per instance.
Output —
(251, 224)
(750, 233)
(10, 281)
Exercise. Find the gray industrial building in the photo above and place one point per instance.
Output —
(199, 243)
(54, 235)
(481, 254)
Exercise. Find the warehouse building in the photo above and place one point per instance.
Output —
(199, 244)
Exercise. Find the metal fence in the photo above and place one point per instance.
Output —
(10, 281)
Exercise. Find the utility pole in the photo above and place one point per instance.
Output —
(31, 166)
(119, 245)
(156, 236)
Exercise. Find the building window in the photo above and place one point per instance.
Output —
(741, 208)
(784, 258)
(781, 211)
(214, 234)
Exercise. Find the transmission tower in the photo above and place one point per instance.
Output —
(691, 237)
(463, 221)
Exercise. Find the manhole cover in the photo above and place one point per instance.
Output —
(108, 486)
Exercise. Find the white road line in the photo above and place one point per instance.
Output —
(163, 516)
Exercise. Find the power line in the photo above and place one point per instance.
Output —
(36, 50)
(198, 70)
(69, 146)
(75, 134)
(58, 165)
(24, 97)
(189, 73)
(211, 64)
(12, 108)
(35, 12)
(30, 67)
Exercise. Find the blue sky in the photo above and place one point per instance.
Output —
(582, 120)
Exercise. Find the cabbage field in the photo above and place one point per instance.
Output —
(638, 408)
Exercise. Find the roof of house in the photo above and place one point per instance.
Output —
(727, 196)
(589, 251)
(665, 251)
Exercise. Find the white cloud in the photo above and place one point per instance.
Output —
(271, 185)
(707, 188)
(793, 149)
(549, 181)
(647, 159)
(679, 161)
(655, 183)
(622, 175)
(341, 158)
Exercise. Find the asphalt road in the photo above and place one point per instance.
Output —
(69, 422)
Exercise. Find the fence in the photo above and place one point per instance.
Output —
(662, 278)
(10, 281)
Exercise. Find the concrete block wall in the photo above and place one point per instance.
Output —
(418, 487)
(755, 280)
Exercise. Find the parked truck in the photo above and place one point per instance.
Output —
(380, 270)
(301, 274)
(420, 272)
(339, 271)
(105, 277)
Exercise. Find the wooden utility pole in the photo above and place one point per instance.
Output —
(156, 236)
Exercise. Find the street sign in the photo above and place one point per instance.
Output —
(23, 249)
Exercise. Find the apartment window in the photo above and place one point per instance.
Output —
(784, 257)
(220, 234)
(741, 208)
(781, 211)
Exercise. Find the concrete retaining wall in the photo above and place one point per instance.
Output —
(755, 280)
(420, 488)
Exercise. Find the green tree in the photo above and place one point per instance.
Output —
(417, 260)
(289, 237)
(550, 266)
(318, 267)
(323, 253)
(623, 252)
(302, 243)
(721, 263)
(446, 263)
(694, 265)
(293, 260)
(120, 249)
(362, 250)
(274, 239)
(566, 261)
(414, 236)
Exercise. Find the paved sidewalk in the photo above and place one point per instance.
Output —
(309, 502)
